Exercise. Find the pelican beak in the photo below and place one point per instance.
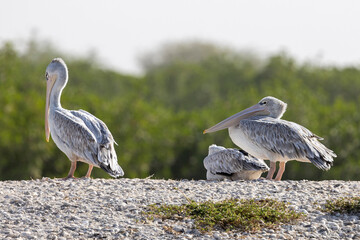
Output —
(49, 85)
(234, 119)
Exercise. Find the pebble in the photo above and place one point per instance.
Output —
(112, 208)
(333, 226)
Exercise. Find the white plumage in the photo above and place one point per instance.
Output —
(233, 164)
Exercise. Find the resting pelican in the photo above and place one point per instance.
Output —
(261, 132)
(79, 134)
(233, 164)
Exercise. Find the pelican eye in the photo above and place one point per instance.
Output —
(263, 103)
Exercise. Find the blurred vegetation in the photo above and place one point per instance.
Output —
(157, 119)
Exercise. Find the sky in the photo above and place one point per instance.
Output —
(325, 32)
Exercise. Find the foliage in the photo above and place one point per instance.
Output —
(246, 215)
(349, 205)
(158, 118)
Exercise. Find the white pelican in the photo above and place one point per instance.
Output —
(260, 131)
(233, 164)
(79, 134)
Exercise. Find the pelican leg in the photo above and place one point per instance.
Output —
(271, 171)
(89, 171)
(72, 170)
(281, 171)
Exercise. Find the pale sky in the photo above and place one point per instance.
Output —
(323, 31)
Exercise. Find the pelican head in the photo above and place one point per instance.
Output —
(274, 106)
(56, 77)
(268, 106)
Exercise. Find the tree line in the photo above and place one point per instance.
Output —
(158, 118)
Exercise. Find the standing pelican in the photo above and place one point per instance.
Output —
(261, 132)
(233, 164)
(79, 134)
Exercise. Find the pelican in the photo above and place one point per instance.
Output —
(79, 134)
(261, 132)
(233, 164)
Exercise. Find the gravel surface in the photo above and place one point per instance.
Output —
(112, 209)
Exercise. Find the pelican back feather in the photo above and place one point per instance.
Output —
(288, 139)
(231, 161)
(106, 155)
(83, 137)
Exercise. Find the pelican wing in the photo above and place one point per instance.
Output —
(95, 125)
(288, 139)
(251, 163)
(89, 139)
(75, 135)
(106, 153)
(230, 161)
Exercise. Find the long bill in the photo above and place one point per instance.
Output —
(235, 119)
(49, 86)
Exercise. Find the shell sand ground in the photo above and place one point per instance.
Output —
(112, 208)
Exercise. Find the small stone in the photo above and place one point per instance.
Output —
(304, 211)
(217, 236)
(85, 223)
(323, 229)
(195, 232)
(333, 226)
(178, 228)
(27, 235)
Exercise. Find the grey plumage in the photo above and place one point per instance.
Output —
(233, 164)
(260, 131)
(288, 139)
(79, 134)
(82, 136)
